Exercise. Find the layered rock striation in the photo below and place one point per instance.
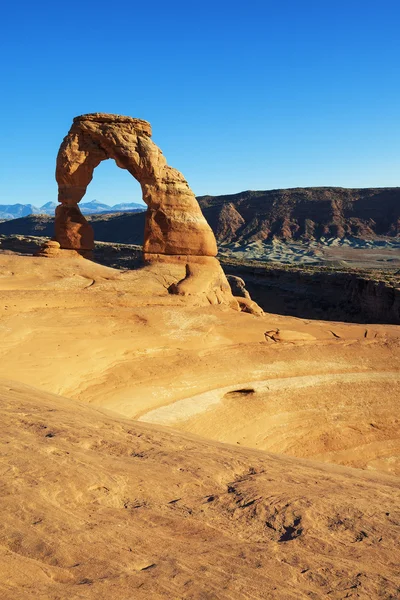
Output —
(175, 228)
(174, 222)
(303, 214)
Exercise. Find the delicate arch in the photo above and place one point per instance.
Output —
(174, 222)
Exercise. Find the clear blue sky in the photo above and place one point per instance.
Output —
(241, 95)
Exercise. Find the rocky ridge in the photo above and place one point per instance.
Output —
(307, 213)
(253, 216)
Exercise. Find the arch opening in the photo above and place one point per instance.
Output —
(112, 186)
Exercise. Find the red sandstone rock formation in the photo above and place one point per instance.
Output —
(175, 228)
(174, 223)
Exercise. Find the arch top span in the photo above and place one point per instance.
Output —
(175, 224)
(139, 124)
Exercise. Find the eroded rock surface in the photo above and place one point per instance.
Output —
(174, 222)
(303, 213)
(206, 278)
(238, 286)
(100, 507)
(175, 228)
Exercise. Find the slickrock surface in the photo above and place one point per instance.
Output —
(119, 340)
(100, 507)
(100, 500)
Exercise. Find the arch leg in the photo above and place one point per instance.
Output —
(72, 231)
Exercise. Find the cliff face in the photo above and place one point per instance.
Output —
(377, 301)
(320, 294)
(306, 213)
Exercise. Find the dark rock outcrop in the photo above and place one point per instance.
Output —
(316, 293)
(303, 213)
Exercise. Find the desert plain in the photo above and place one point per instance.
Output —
(159, 446)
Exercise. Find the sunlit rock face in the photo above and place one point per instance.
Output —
(175, 229)
(174, 225)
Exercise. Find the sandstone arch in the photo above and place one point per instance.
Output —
(175, 229)
(175, 225)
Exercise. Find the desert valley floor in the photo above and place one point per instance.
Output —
(156, 446)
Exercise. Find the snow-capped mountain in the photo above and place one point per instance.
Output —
(15, 211)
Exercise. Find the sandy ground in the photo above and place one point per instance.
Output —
(196, 519)
(101, 507)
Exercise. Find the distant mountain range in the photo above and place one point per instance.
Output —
(255, 216)
(16, 211)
